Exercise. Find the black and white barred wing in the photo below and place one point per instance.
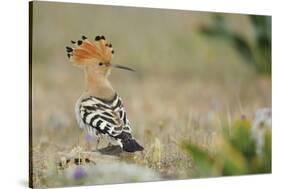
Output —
(106, 117)
(109, 118)
(118, 108)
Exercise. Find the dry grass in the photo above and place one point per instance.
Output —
(186, 87)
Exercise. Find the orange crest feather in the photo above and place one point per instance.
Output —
(87, 51)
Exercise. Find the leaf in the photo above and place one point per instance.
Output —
(219, 28)
(233, 161)
(267, 151)
(257, 53)
(241, 139)
(243, 47)
(262, 26)
(203, 161)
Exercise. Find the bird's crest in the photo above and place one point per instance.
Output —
(87, 51)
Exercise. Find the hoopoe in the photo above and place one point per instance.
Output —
(100, 110)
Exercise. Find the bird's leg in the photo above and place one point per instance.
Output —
(98, 141)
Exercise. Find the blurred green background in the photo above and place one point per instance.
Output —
(196, 73)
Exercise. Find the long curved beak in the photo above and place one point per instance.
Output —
(122, 67)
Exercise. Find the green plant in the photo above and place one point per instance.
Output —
(235, 154)
(256, 53)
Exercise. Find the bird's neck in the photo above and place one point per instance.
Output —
(98, 85)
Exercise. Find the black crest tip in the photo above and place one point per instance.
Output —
(69, 49)
(112, 51)
(110, 45)
(79, 42)
(68, 55)
(97, 38)
(102, 37)
(73, 42)
(84, 37)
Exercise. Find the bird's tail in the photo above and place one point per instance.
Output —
(131, 145)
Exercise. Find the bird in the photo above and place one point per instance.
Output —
(100, 110)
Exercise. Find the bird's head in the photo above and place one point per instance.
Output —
(95, 55)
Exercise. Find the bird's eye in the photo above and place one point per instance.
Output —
(100, 64)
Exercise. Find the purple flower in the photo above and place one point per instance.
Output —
(89, 138)
(79, 173)
(243, 117)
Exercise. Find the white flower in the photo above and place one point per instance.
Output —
(261, 123)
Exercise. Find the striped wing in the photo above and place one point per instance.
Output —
(107, 117)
